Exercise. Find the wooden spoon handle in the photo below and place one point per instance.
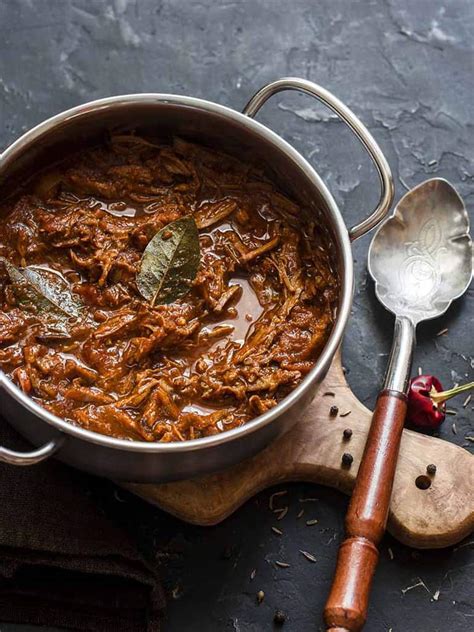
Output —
(346, 607)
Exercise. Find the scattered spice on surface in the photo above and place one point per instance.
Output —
(260, 596)
(344, 414)
(390, 553)
(279, 617)
(282, 564)
(451, 411)
(441, 332)
(300, 513)
(466, 401)
(275, 495)
(331, 539)
(277, 531)
(347, 434)
(308, 556)
(347, 459)
(420, 582)
(281, 513)
(454, 429)
(431, 469)
(118, 497)
(333, 411)
(176, 592)
(253, 573)
(310, 523)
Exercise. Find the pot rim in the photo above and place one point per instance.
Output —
(346, 277)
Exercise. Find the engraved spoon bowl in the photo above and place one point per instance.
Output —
(421, 257)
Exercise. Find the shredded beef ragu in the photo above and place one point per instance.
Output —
(250, 328)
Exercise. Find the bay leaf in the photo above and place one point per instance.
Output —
(170, 262)
(55, 288)
(45, 293)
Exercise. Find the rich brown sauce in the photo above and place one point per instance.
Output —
(252, 325)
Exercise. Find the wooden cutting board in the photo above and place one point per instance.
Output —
(435, 517)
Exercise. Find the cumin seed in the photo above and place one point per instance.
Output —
(275, 495)
(308, 556)
(390, 553)
(420, 582)
(277, 531)
(466, 401)
(442, 332)
(176, 592)
(301, 512)
(282, 564)
(253, 573)
(308, 500)
(310, 523)
(347, 412)
(329, 394)
(451, 411)
(281, 513)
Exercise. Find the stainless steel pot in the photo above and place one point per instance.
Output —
(238, 134)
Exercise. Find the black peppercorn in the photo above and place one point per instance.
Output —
(347, 434)
(431, 469)
(333, 411)
(279, 618)
(347, 459)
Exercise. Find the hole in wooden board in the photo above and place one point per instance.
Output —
(423, 482)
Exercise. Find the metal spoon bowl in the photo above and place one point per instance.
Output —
(421, 257)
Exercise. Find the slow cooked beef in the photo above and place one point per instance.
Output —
(77, 335)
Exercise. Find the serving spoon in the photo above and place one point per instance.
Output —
(420, 260)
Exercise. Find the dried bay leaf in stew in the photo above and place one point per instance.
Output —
(170, 262)
(45, 293)
(55, 288)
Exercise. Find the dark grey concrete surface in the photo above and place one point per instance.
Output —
(406, 68)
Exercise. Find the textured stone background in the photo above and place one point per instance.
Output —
(406, 68)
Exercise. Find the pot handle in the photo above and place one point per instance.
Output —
(351, 120)
(30, 458)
